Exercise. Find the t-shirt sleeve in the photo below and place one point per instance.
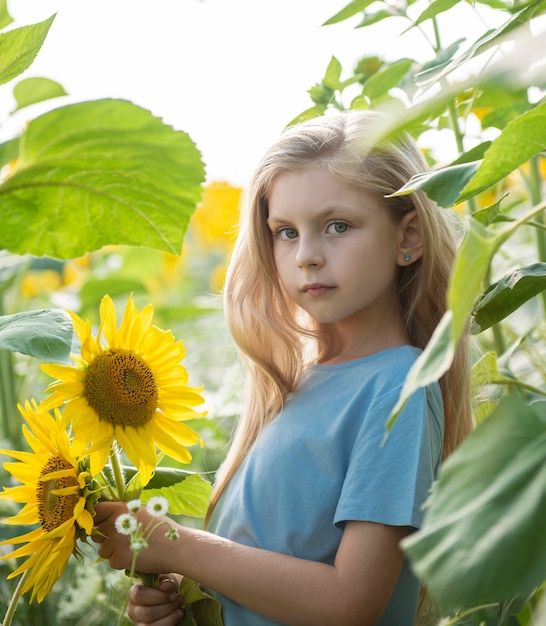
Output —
(389, 477)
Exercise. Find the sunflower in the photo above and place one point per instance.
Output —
(128, 386)
(56, 495)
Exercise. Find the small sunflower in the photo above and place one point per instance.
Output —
(128, 386)
(56, 495)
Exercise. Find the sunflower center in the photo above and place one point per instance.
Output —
(55, 509)
(121, 388)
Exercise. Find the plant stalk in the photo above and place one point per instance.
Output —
(535, 190)
(8, 618)
(117, 472)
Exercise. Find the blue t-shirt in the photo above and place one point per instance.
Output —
(324, 460)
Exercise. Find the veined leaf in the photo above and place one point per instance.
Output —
(521, 139)
(99, 173)
(33, 90)
(189, 497)
(483, 539)
(508, 294)
(45, 334)
(20, 47)
(443, 185)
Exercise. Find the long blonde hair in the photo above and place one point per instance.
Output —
(268, 328)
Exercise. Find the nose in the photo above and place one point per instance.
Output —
(309, 252)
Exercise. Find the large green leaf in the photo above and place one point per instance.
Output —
(508, 294)
(189, 497)
(442, 185)
(46, 334)
(483, 539)
(99, 173)
(19, 48)
(521, 139)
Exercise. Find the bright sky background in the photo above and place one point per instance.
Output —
(231, 73)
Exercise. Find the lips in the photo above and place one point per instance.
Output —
(316, 289)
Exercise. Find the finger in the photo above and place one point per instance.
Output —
(153, 606)
(142, 595)
(168, 582)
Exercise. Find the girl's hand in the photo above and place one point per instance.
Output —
(156, 607)
(116, 546)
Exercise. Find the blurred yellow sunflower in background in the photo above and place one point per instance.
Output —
(128, 386)
(56, 495)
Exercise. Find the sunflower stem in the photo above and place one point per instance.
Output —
(15, 598)
(117, 472)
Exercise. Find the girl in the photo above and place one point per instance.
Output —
(333, 290)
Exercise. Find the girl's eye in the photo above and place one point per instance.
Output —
(286, 233)
(337, 228)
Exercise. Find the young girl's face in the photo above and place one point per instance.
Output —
(336, 249)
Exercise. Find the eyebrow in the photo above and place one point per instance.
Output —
(322, 214)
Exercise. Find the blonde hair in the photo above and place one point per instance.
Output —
(268, 328)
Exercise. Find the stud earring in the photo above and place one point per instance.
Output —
(407, 257)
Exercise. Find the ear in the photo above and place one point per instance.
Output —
(410, 248)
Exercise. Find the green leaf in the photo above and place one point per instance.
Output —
(5, 17)
(443, 185)
(32, 90)
(432, 70)
(332, 76)
(20, 47)
(470, 268)
(483, 43)
(469, 271)
(201, 608)
(508, 294)
(483, 539)
(189, 497)
(9, 151)
(435, 359)
(474, 154)
(45, 334)
(521, 139)
(99, 173)
(386, 78)
(435, 8)
(348, 11)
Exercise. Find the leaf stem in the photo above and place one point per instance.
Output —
(456, 619)
(452, 110)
